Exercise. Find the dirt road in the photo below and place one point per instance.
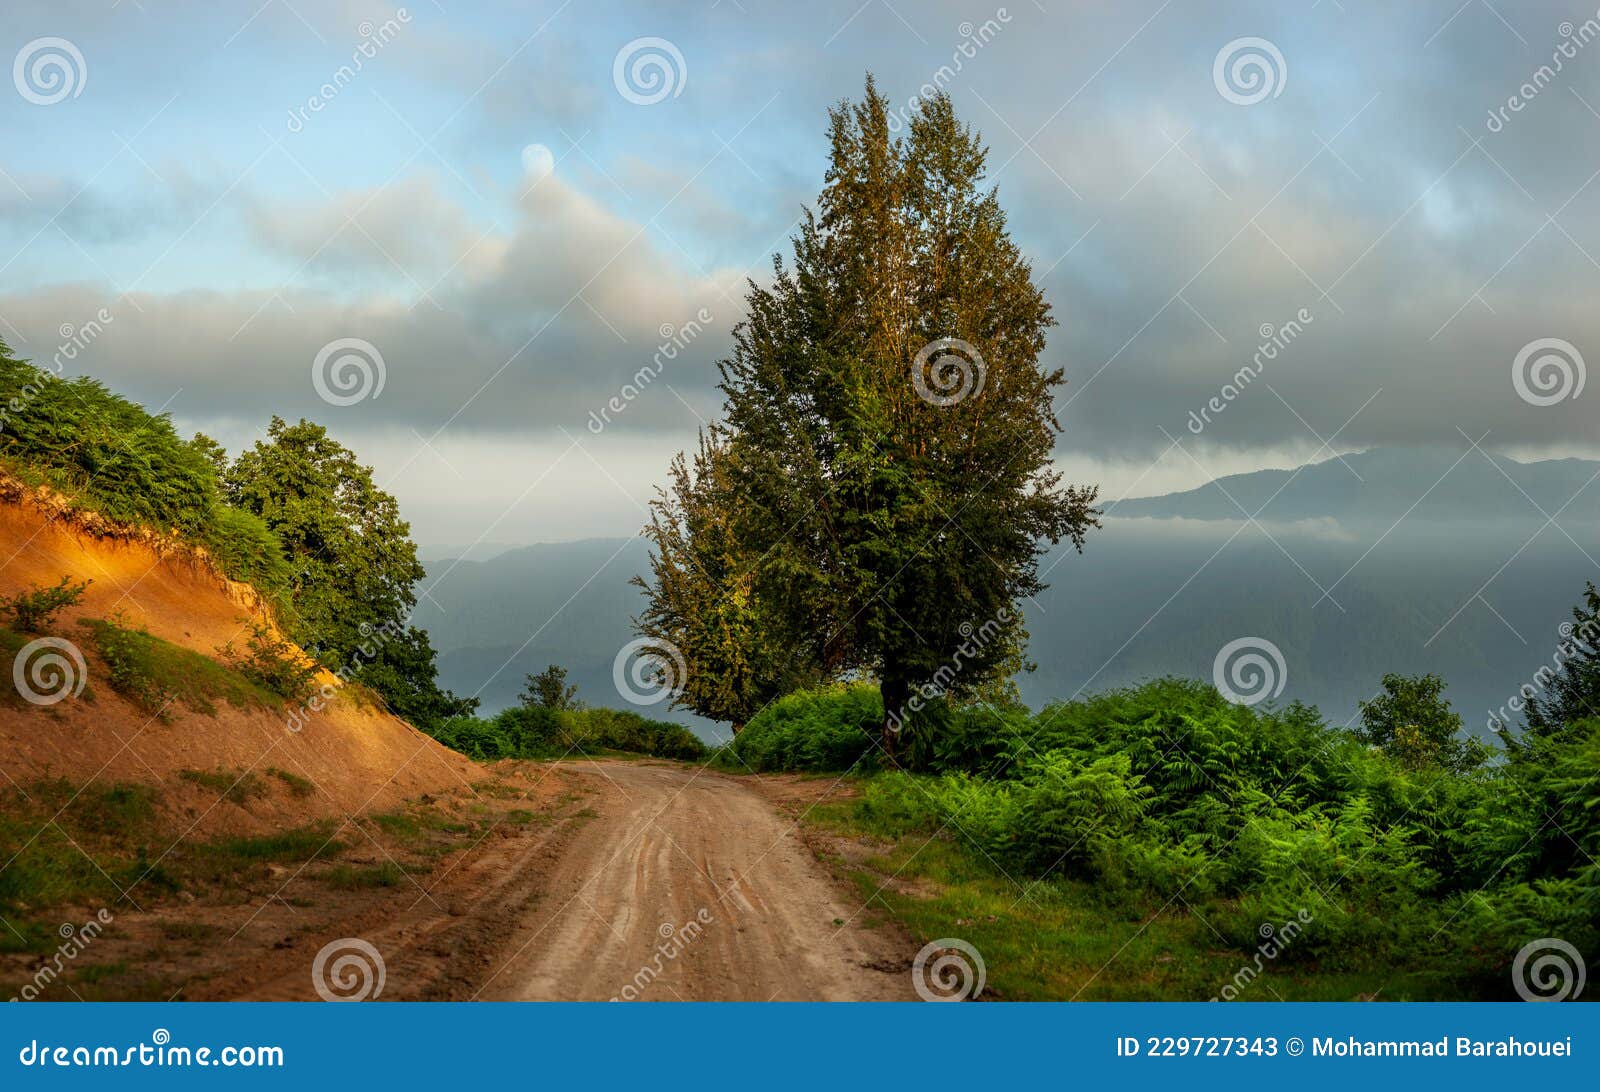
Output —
(581, 880)
(689, 885)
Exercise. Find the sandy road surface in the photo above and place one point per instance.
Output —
(689, 885)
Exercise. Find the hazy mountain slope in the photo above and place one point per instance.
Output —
(1471, 584)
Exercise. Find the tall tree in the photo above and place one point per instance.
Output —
(353, 561)
(893, 423)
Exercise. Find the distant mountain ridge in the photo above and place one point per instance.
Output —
(1386, 484)
(1471, 583)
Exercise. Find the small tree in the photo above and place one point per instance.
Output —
(1412, 722)
(549, 690)
(36, 608)
(1571, 692)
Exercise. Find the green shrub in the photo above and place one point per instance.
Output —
(521, 732)
(624, 730)
(536, 731)
(34, 610)
(271, 662)
(832, 728)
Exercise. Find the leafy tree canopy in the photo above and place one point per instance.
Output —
(1413, 723)
(890, 422)
(354, 564)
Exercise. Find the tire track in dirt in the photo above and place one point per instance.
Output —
(690, 885)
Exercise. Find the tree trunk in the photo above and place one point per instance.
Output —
(896, 693)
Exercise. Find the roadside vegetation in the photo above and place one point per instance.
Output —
(551, 723)
(1395, 854)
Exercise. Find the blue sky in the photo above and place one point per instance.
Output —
(1167, 221)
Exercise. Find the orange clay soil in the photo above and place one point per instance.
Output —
(357, 756)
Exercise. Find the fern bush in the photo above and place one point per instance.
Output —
(128, 465)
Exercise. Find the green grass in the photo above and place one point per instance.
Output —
(298, 786)
(354, 878)
(235, 786)
(1059, 940)
(155, 674)
(49, 829)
